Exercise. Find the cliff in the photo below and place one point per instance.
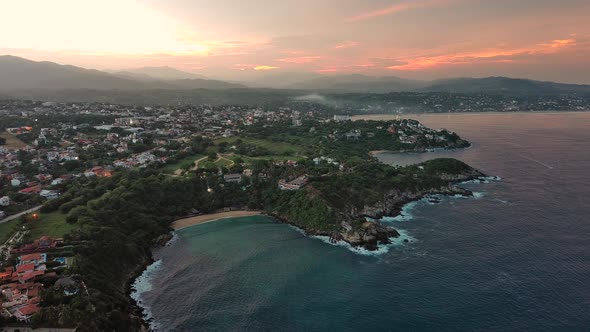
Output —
(375, 191)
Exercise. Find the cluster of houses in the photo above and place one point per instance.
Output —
(37, 184)
(139, 160)
(20, 284)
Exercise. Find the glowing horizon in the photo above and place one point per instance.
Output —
(422, 39)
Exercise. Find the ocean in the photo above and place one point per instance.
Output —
(514, 258)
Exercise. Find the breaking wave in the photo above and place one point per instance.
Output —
(143, 284)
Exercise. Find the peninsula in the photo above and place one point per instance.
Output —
(111, 187)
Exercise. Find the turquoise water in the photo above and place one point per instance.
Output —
(515, 258)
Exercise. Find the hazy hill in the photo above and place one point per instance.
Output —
(281, 80)
(360, 83)
(17, 74)
(164, 73)
(25, 78)
(503, 85)
(132, 76)
(205, 84)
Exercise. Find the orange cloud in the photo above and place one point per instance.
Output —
(265, 67)
(366, 65)
(327, 70)
(558, 43)
(301, 59)
(426, 62)
(401, 7)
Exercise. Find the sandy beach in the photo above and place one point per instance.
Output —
(186, 222)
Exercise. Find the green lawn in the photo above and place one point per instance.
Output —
(278, 148)
(7, 228)
(217, 163)
(51, 224)
(248, 160)
(223, 163)
(190, 160)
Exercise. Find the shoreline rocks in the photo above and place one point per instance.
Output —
(370, 234)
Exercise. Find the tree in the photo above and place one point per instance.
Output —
(212, 155)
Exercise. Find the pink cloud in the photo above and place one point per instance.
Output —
(491, 55)
(347, 44)
(397, 8)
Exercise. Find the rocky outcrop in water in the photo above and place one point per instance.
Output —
(392, 203)
(369, 235)
(372, 233)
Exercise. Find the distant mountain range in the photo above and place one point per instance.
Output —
(490, 85)
(503, 85)
(360, 83)
(22, 75)
(160, 73)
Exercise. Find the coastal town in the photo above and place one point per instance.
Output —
(332, 165)
(58, 158)
(48, 144)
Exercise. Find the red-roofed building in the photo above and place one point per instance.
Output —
(43, 244)
(5, 275)
(30, 275)
(31, 190)
(25, 313)
(36, 258)
(22, 269)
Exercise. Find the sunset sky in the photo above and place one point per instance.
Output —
(236, 39)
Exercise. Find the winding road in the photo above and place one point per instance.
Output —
(14, 216)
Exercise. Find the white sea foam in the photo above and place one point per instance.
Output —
(143, 284)
(501, 201)
(405, 213)
(381, 249)
(173, 239)
(478, 195)
(483, 179)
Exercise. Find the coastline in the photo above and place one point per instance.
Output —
(379, 116)
(136, 310)
(205, 218)
(375, 153)
(147, 321)
(141, 312)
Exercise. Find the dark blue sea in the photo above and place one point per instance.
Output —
(515, 258)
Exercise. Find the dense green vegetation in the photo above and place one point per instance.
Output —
(254, 147)
(345, 141)
(113, 222)
(367, 184)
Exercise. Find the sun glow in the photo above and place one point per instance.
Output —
(93, 27)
